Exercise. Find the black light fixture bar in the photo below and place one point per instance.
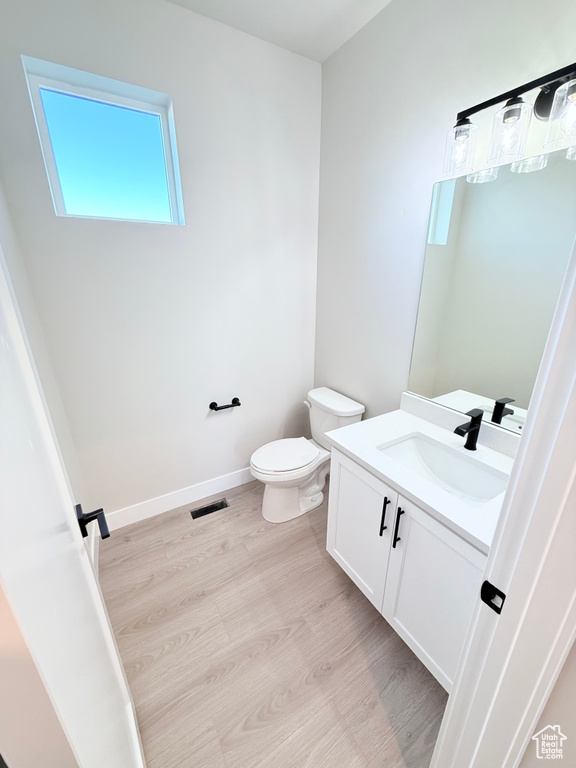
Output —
(541, 81)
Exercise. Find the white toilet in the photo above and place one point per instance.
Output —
(294, 469)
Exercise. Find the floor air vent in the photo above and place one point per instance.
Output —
(201, 511)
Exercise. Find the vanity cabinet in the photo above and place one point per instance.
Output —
(432, 585)
(360, 518)
(422, 577)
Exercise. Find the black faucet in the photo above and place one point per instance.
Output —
(471, 428)
(500, 411)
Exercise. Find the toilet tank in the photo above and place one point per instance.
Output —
(330, 410)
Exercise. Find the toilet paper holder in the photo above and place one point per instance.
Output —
(233, 404)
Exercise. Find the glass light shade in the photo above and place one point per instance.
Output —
(530, 164)
(509, 132)
(562, 125)
(460, 147)
(483, 177)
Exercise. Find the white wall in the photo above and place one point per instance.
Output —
(147, 324)
(35, 337)
(390, 96)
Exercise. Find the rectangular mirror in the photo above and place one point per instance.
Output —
(496, 257)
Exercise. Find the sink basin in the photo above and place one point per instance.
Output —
(459, 474)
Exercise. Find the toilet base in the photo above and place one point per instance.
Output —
(282, 503)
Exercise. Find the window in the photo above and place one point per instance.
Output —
(109, 148)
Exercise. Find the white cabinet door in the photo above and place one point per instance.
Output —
(433, 583)
(360, 514)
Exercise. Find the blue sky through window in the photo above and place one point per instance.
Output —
(110, 159)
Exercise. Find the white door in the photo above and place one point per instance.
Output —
(434, 579)
(360, 513)
(46, 573)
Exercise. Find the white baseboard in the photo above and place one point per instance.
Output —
(152, 507)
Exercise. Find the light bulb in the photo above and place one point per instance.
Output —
(512, 112)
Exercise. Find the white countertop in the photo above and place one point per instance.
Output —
(475, 522)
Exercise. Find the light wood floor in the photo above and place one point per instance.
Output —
(246, 646)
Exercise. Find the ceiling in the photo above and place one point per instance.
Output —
(312, 28)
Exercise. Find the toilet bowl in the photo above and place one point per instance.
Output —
(294, 470)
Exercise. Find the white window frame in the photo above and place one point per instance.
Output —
(75, 82)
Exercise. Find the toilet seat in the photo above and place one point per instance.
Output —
(285, 455)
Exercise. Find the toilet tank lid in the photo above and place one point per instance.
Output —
(334, 402)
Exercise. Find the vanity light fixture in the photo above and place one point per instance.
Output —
(510, 132)
(530, 164)
(483, 176)
(555, 103)
(562, 124)
(460, 147)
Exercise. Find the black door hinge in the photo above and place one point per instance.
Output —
(492, 596)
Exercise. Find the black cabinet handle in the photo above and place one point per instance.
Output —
(396, 537)
(87, 517)
(382, 526)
